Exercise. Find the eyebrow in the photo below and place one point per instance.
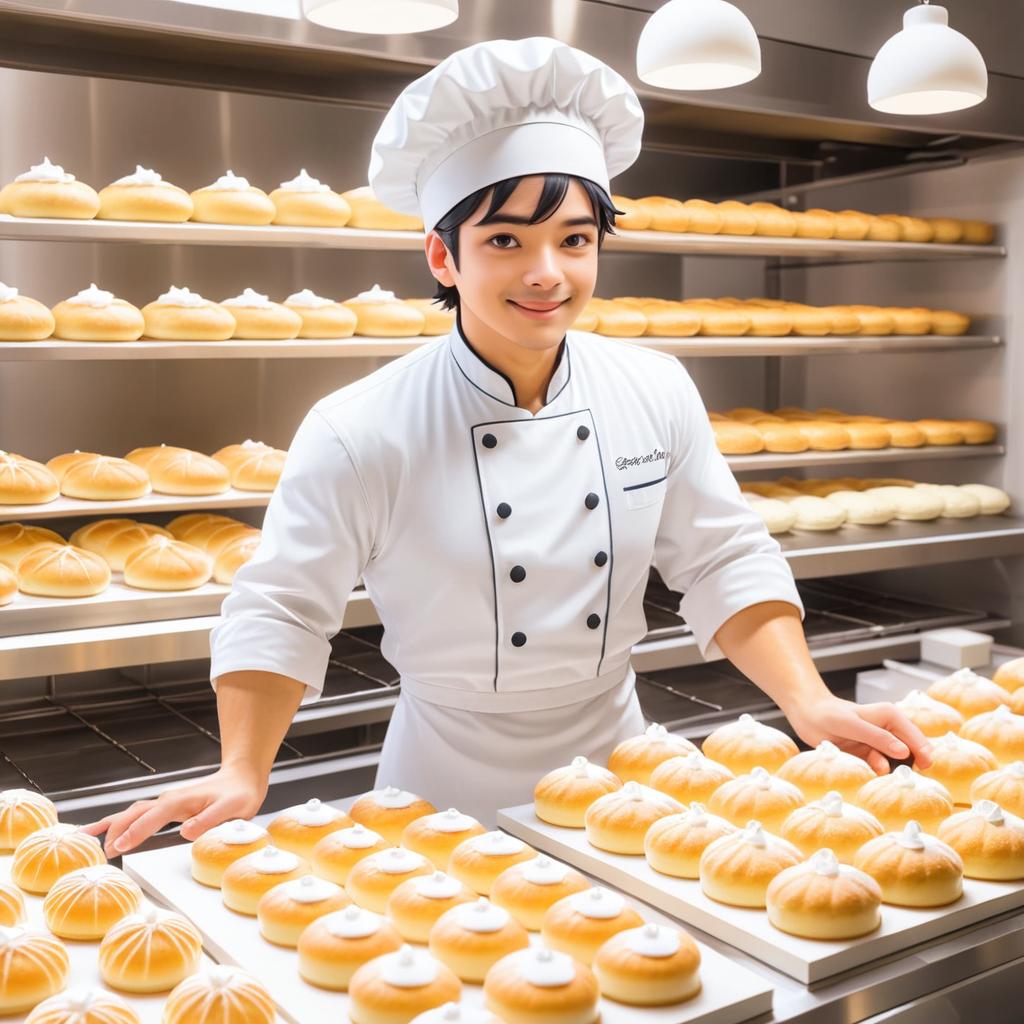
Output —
(509, 218)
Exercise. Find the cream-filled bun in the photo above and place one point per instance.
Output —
(526, 890)
(652, 965)
(86, 903)
(180, 471)
(1004, 786)
(831, 823)
(8, 585)
(398, 986)
(913, 868)
(256, 317)
(25, 482)
(22, 318)
(455, 1013)
(541, 984)
(990, 841)
(301, 827)
(957, 762)
(249, 877)
(336, 854)
(436, 835)
(102, 478)
(634, 759)
(419, 901)
(371, 880)
(932, 717)
(381, 314)
(144, 195)
(471, 937)
(33, 967)
(62, 571)
(437, 321)
(562, 796)
(232, 200)
(968, 692)
(760, 796)
(1001, 731)
(817, 772)
(479, 859)
(305, 201)
(387, 811)
(747, 744)
(335, 945)
(673, 845)
(150, 951)
(162, 563)
(22, 812)
(84, 1006)
(618, 821)
(690, 777)
(219, 995)
(96, 315)
(321, 318)
(12, 905)
(285, 911)
(737, 868)
(181, 314)
(253, 465)
(824, 899)
(579, 924)
(222, 845)
(1009, 675)
(370, 213)
(233, 556)
(47, 190)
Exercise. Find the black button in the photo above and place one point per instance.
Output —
(504, 510)
(518, 639)
(518, 574)
(593, 621)
(583, 433)
(591, 500)
(489, 441)
(601, 558)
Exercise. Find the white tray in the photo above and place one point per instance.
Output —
(807, 960)
(730, 994)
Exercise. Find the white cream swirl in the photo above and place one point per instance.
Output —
(652, 940)
(141, 176)
(229, 182)
(48, 172)
(597, 902)
(303, 182)
(375, 294)
(92, 296)
(7, 292)
(352, 923)
(183, 297)
(308, 299)
(408, 968)
(250, 299)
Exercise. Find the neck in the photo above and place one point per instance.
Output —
(529, 370)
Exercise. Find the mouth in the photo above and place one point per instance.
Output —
(537, 310)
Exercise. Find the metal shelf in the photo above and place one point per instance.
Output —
(64, 507)
(879, 456)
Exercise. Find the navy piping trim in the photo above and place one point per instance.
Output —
(648, 483)
(611, 544)
(493, 369)
(490, 543)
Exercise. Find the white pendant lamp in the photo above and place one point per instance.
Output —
(381, 17)
(698, 44)
(927, 68)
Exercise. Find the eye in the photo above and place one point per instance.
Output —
(500, 241)
(578, 240)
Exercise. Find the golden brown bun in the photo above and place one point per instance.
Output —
(233, 556)
(436, 321)
(103, 478)
(774, 221)
(903, 434)
(479, 860)
(285, 911)
(386, 317)
(746, 744)
(850, 224)
(670, 320)
(245, 880)
(273, 322)
(1010, 675)
(232, 206)
(765, 321)
(165, 321)
(882, 230)
(957, 762)
(823, 436)
(178, 471)
(946, 230)
(914, 869)
(758, 796)
(932, 717)
(634, 217)
(73, 200)
(628, 973)
(978, 232)
(12, 905)
(374, 999)
(704, 218)
(161, 202)
(815, 223)
(830, 823)
(617, 318)
(162, 563)
(826, 768)
(968, 692)
(471, 937)
(905, 795)
(689, 777)
(298, 829)
(435, 836)
(370, 213)
(33, 967)
(635, 758)
(311, 209)
(221, 846)
(114, 543)
(673, 845)
(949, 322)
(24, 482)
(8, 585)
(84, 1006)
(179, 525)
(335, 945)
(25, 319)
(873, 320)
(418, 902)
(976, 431)
(990, 841)
(580, 923)
(909, 319)
(22, 812)
(212, 533)
(150, 951)
(227, 995)
(1003, 785)
(336, 854)
(526, 890)
(587, 320)
(144, 456)
(333, 321)
(719, 321)
(387, 811)
(45, 855)
(911, 229)
(737, 438)
(782, 437)
(253, 466)
(86, 903)
(941, 431)
(737, 218)
(666, 214)
(372, 879)
(510, 995)
(618, 821)
(63, 571)
(1000, 731)
(737, 868)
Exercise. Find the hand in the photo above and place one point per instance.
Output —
(874, 732)
(228, 793)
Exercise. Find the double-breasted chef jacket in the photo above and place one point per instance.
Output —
(506, 552)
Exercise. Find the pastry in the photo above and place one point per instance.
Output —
(398, 986)
(380, 314)
(300, 828)
(831, 823)
(151, 951)
(815, 223)
(305, 201)
(144, 195)
(24, 482)
(84, 1006)
(957, 762)
(455, 1013)
(776, 515)
(48, 853)
(690, 777)
(370, 213)
(943, 432)
(910, 320)
(180, 525)
(873, 320)
(1004, 786)
(1010, 675)
(1001, 731)
(256, 317)
(946, 230)
(374, 878)
(673, 845)
(248, 878)
(115, 539)
(968, 692)
(666, 214)
(151, 453)
(813, 513)
(336, 854)
(990, 841)
(909, 502)
(101, 478)
(817, 772)
(563, 795)
(47, 190)
(180, 471)
(221, 846)
(541, 985)
(948, 322)
(719, 321)
(22, 812)
(527, 889)
(737, 218)
(737, 868)
(978, 232)
(253, 465)
(747, 743)
(213, 536)
(12, 905)
(479, 860)
(904, 795)
(335, 945)
(286, 910)
(618, 821)
(87, 903)
(737, 438)
(183, 315)
(471, 937)
(704, 218)
(23, 318)
(616, 319)
(653, 965)
(864, 509)
(849, 224)
(774, 221)
(436, 835)
(903, 434)
(782, 437)
(882, 230)
(634, 759)
(913, 868)
(8, 585)
(823, 899)
(956, 504)
(418, 902)
(911, 229)
(766, 798)
(932, 717)
(234, 556)
(321, 318)
(387, 811)
(220, 995)
(232, 200)
(162, 563)
(823, 436)
(33, 967)
(669, 319)
(581, 923)
(630, 215)
(436, 321)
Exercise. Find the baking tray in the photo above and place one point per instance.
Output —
(806, 960)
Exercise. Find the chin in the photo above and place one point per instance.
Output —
(537, 336)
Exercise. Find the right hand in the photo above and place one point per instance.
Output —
(228, 793)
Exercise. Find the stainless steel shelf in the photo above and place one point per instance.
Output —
(880, 456)
(63, 507)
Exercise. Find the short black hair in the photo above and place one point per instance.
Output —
(556, 186)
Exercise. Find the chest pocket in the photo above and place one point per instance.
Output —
(645, 493)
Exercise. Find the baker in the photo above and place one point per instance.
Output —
(503, 491)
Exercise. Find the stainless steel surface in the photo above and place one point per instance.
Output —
(881, 456)
(63, 508)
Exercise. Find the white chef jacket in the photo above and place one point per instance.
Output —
(506, 552)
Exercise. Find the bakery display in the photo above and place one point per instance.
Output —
(831, 823)
(12, 905)
(248, 878)
(760, 796)
(180, 314)
(305, 201)
(161, 563)
(23, 318)
(479, 860)
(144, 195)
(219, 847)
(989, 840)
(436, 835)
(369, 213)
(581, 923)
(257, 318)
(398, 986)
(149, 951)
(528, 888)
(673, 845)
(618, 821)
(471, 937)
(634, 759)
(336, 854)
(285, 911)
(563, 795)
(419, 901)
(736, 869)
(22, 812)
(381, 314)
(321, 317)
(232, 200)
(968, 692)
(86, 903)
(387, 811)
(84, 1006)
(1004, 786)
(747, 744)
(913, 868)
(33, 967)
(299, 828)
(335, 945)
(541, 984)
(48, 853)
(47, 190)
(905, 795)
(1000, 731)
(181, 471)
(653, 965)
(220, 995)
(372, 879)
(823, 769)
(97, 315)
(25, 482)
(932, 717)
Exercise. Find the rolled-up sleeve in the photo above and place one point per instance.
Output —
(710, 545)
(289, 599)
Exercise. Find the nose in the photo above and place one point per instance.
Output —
(544, 271)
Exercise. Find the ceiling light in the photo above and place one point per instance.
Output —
(381, 17)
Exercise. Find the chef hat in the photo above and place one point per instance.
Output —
(503, 109)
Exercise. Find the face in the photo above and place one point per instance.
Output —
(525, 283)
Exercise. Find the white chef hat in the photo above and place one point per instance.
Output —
(502, 109)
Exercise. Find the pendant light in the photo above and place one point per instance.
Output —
(381, 17)
(698, 44)
(927, 68)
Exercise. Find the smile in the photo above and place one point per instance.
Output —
(538, 310)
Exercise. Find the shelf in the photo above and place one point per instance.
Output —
(880, 456)
(64, 507)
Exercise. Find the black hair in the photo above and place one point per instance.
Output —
(556, 186)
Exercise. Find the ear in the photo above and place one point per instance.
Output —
(438, 259)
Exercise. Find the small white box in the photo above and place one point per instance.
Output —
(956, 648)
